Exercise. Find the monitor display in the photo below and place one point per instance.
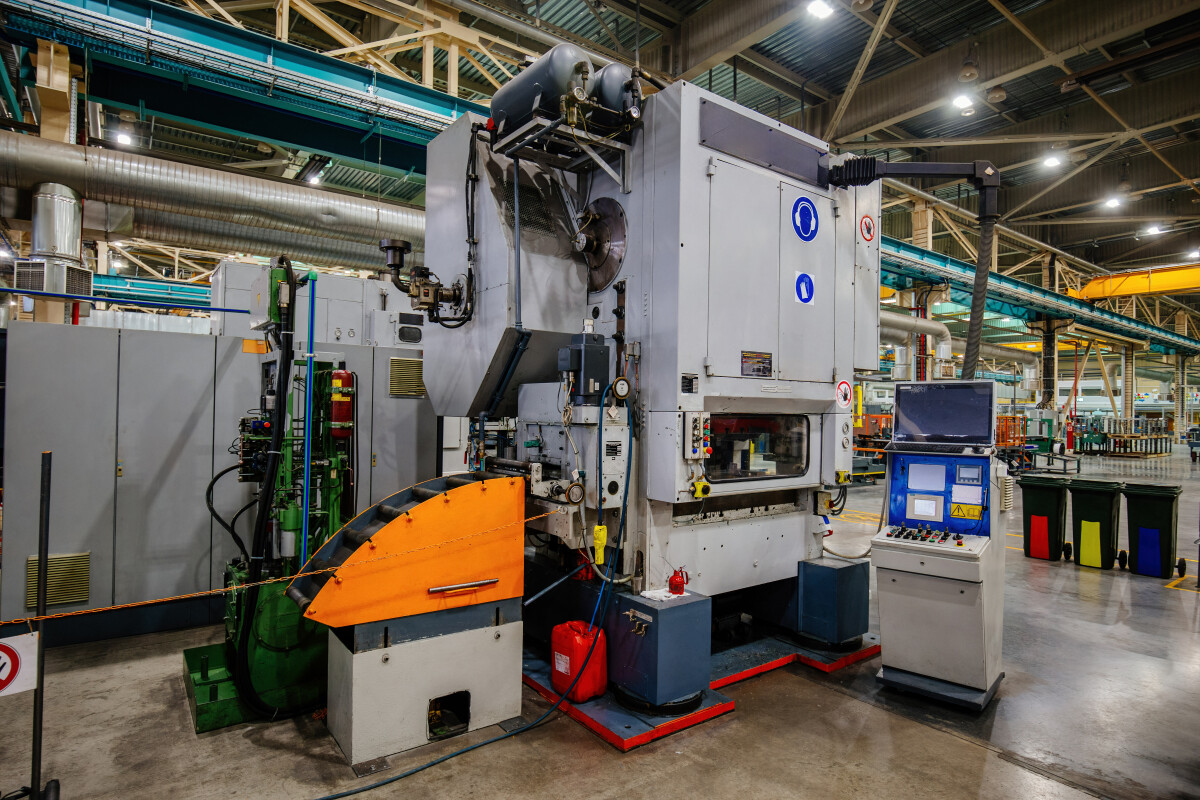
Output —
(949, 412)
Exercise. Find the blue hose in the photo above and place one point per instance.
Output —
(308, 411)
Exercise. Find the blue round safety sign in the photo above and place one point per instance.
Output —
(804, 219)
(804, 287)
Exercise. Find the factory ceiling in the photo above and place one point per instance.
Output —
(1089, 109)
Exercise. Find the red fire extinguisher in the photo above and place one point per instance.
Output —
(678, 580)
(342, 406)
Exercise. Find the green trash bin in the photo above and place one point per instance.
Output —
(1044, 514)
(1152, 512)
(1095, 511)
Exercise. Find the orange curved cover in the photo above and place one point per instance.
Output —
(470, 534)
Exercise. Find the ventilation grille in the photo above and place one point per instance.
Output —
(56, 277)
(404, 378)
(535, 217)
(68, 579)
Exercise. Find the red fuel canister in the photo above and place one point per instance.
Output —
(569, 644)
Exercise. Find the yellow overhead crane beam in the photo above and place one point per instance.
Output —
(1183, 279)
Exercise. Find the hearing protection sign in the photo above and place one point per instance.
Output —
(805, 220)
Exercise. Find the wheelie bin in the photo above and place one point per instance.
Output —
(1095, 512)
(1153, 514)
(1044, 514)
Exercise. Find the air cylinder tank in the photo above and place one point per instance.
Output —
(561, 69)
(611, 87)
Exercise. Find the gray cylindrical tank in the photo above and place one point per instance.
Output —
(611, 87)
(539, 87)
(57, 223)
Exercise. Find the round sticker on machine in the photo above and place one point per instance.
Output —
(804, 287)
(866, 226)
(843, 394)
(804, 219)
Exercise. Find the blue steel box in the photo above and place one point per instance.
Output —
(658, 651)
(832, 599)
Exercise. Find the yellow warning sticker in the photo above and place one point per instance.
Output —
(962, 511)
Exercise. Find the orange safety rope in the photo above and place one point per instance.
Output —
(239, 587)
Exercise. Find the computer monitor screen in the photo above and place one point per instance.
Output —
(950, 412)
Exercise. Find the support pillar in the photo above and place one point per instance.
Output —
(1128, 382)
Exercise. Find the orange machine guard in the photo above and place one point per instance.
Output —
(467, 545)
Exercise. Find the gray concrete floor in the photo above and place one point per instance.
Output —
(1101, 699)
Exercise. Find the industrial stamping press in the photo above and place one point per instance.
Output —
(651, 310)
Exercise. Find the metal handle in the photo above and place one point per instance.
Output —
(458, 587)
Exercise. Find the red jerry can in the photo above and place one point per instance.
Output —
(569, 645)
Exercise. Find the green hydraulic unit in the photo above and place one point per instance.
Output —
(287, 655)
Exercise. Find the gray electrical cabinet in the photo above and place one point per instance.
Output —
(140, 422)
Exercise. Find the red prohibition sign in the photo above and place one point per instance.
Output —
(10, 658)
(867, 226)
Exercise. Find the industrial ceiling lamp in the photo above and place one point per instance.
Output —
(997, 94)
(1194, 254)
(1051, 161)
(1112, 202)
(861, 6)
(970, 66)
(819, 9)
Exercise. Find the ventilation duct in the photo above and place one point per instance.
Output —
(143, 182)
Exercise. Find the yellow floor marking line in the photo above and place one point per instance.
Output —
(1175, 585)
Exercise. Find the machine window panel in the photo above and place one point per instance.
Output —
(753, 446)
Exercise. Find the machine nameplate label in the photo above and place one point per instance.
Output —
(962, 511)
(756, 365)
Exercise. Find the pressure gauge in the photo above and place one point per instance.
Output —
(575, 493)
(621, 388)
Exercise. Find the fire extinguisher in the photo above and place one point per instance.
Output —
(1070, 437)
(341, 414)
(678, 580)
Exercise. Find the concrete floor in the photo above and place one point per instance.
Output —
(1101, 699)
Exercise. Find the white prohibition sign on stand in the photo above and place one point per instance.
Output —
(844, 393)
(18, 664)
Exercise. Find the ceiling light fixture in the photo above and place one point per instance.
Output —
(124, 138)
(1194, 254)
(1052, 161)
(1154, 229)
(315, 179)
(819, 9)
(1112, 202)
(963, 101)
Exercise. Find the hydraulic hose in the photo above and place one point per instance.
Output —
(983, 267)
(208, 501)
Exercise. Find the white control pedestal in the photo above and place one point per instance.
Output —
(941, 613)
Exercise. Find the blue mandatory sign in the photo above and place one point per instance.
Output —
(804, 219)
(804, 287)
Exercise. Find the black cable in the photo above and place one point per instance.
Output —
(208, 501)
(233, 522)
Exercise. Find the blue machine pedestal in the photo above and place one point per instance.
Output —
(952, 693)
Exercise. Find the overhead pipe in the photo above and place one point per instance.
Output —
(895, 328)
(144, 182)
(205, 234)
(521, 26)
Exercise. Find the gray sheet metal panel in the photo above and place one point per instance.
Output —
(403, 432)
(866, 278)
(238, 390)
(165, 447)
(62, 388)
(769, 145)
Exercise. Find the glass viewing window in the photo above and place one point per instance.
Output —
(754, 446)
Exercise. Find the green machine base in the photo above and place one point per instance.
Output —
(288, 662)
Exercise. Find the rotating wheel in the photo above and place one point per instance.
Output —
(1067, 551)
(1181, 566)
(1122, 559)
